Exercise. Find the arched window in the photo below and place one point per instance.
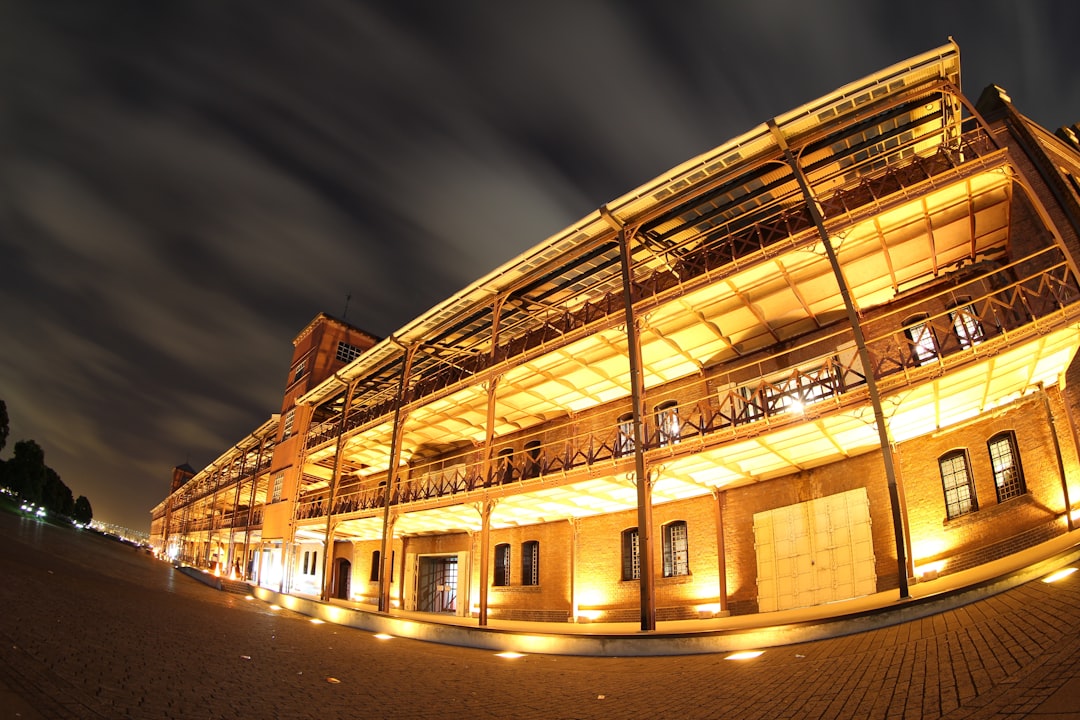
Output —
(667, 423)
(631, 562)
(376, 566)
(1005, 460)
(530, 562)
(956, 482)
(921, 340)
(532, 459)
(624, 439)
(502, 564)
(504, 466)
(676, 549)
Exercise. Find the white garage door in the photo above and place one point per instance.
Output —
(814, 552)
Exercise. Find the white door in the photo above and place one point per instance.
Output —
(814, 552)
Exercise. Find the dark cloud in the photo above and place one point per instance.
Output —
(184, 185)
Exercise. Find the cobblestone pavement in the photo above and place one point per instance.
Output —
(92, 628)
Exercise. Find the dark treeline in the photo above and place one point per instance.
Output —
(27, 475)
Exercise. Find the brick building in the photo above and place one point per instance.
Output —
(831, 357)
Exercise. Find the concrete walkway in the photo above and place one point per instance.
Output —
(95, 629)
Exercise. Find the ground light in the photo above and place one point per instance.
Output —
(383, 636)
(510, 655)
(316, 621)
(1059, 574)
(275, 607)
(745, 655)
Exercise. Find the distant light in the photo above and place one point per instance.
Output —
(383, 636)
(745, 655)
(510, 655)
(1059, 575)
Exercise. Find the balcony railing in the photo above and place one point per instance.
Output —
(999, 306)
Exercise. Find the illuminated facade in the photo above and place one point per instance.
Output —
(839, 349)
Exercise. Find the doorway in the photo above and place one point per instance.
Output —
(437, 584)
(342, 579)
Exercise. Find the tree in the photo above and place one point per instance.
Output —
(25, 472)
(56, 496)
(4, 429)
(82, 512)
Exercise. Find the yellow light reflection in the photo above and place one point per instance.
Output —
(275, 607)
(316, 621)
(745, 655)
(383, 636)
(510, 655)
(1059, 574)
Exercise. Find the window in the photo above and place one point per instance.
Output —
(966, 325)
(1005, 460)
(346, 352)
(676, 552)
(532, 459)
(530, 562)
(667, 423)
(301, 368)
(624, 440)
(279, 482)
(631, 561)
(921, 338)
(374, 566)
(287, 426)
(502, 564)
(748, 405)
(956, 482)
(504, 467)
(314, 561)
(306, 554)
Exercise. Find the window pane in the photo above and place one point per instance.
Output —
(923, 345)
(676, 552)
(956, 481)
(630, 560)
(502, 564)
(667, 423)
(1008, 480)
(624, 441)
(967, 326)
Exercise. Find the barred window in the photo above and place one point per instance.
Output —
(279, 483)
(287, 425)
(376, 565)
(631, 561)
(676, 550)
(1005, 460)
(347, 353)
(923, 344)
(502, 564)
(624, 440)
(504, 466)
(956, 482)
(532, 459)
(966, 325)
(667, 423)
(530, 562)
(301, 368)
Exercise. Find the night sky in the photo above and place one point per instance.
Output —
(184, 185)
